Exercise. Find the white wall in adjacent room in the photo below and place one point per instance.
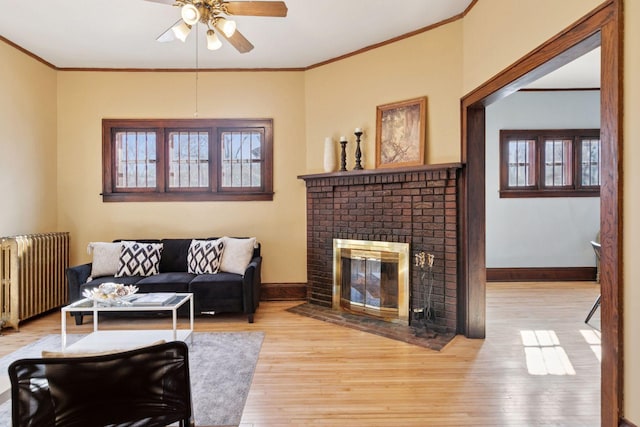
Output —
(539, 232)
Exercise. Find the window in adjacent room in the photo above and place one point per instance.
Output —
(190, 159)
(550, 163)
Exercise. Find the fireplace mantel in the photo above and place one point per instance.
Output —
(417, 205)
(380, 172)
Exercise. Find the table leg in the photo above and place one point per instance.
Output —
(175, 324)
(63, 330)
(191, 312)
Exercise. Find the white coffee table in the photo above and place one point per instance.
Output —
(105, 340)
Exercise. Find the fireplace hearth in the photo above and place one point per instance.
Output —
(372, 325)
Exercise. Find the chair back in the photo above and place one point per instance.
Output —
(596, 248)
(149, 386)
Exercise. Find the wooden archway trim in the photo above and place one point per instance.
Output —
(603, 27)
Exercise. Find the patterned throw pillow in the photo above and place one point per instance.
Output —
(204, 256)
(139, 259)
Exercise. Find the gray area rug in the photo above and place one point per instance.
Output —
(221, 368)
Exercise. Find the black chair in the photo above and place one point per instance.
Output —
(596, 304)
(147, 387)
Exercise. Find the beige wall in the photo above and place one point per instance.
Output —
(343, 95)
(85, 98)
(499, 32)
(28, 191)
(631, 203)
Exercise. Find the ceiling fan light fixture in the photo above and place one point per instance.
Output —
(215, 15)
(181, 31)
(213, 42)
(227, 26)
(190, 14)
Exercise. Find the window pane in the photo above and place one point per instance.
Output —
(177, 159)
(135, 159)
(241, 158)
(549, 163)
(590, 167)
(188, 159)
(521, 167)
(557, 163)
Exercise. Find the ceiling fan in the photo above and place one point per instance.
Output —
(215, 14)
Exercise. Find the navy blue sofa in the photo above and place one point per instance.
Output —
(212, 293)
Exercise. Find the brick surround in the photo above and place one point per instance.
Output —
(418, 206)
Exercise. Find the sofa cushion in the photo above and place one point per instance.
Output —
(204, 256)
(237, 254)
(223, 285)
(165, 282)
(139, 259)
(219, 293)
(174, 255)
(106, 258)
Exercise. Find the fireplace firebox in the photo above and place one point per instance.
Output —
(372, 278)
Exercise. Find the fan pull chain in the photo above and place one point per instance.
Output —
(197, 64)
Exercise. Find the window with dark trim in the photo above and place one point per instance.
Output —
(550, 163)
(187, 159)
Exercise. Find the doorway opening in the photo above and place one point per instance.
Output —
(600, 28)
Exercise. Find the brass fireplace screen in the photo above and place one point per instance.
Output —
(371, 278)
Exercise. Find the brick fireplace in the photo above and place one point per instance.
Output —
(417, 206)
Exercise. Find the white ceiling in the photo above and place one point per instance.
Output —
(583, 72)
(122, 33)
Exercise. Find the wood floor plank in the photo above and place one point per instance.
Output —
(315, 373)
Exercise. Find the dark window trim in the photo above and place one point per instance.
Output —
(539, 189)
(162, 192)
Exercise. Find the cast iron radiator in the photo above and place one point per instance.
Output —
(32, 275)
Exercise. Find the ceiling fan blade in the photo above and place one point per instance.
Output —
(169, 2)
(237, 40)
(257, 8)
(168, 35)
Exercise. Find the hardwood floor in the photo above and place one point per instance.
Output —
(313, 373)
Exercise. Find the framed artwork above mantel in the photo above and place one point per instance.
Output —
(400, 133)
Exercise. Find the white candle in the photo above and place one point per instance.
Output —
(343, 138)
(327, 140)
(358, 130)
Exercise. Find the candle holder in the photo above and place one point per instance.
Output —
(343, 154)
(358, 165)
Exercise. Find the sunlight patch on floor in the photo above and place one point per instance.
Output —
(544, 354)
(594, 339)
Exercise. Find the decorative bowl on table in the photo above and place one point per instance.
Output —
(111, 293)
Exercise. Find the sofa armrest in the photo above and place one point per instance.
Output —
(76, 276)
(251, 284)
